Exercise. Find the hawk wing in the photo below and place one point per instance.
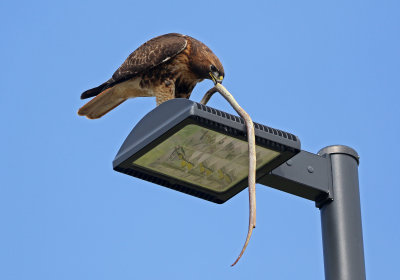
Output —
(152, 53)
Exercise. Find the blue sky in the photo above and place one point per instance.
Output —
(327, 72)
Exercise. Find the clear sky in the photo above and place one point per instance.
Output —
(327, 72)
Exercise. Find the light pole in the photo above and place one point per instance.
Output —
(341, 219)
(189, 147)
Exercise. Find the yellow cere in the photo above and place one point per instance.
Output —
(201, 156)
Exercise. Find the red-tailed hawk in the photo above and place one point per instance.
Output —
(168, 66)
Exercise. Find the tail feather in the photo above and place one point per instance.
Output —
(101, 104)
(94, 91)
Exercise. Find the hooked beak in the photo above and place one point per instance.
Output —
(215, 78)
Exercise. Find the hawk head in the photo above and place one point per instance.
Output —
(216, 74)
(205, 63)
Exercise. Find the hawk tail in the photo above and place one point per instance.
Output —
(100, 105)
(94, 91)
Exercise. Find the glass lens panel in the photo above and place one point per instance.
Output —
(203, 157)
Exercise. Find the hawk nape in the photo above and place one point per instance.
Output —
(168, 66)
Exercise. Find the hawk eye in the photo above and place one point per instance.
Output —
(213, 68)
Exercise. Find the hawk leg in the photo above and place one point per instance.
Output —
(165, 91)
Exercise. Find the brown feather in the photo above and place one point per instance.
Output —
(168, 66)
(100, 105)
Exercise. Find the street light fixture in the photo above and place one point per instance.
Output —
(201, 151)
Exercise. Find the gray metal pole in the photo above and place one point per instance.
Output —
(341, 218)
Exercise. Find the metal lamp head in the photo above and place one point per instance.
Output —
(198, 150)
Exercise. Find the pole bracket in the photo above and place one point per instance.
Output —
(306, 175)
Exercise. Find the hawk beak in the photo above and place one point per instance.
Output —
(215, 78)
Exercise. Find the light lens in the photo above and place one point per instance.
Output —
(203, 157)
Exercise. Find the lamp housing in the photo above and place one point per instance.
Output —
(199, 150)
